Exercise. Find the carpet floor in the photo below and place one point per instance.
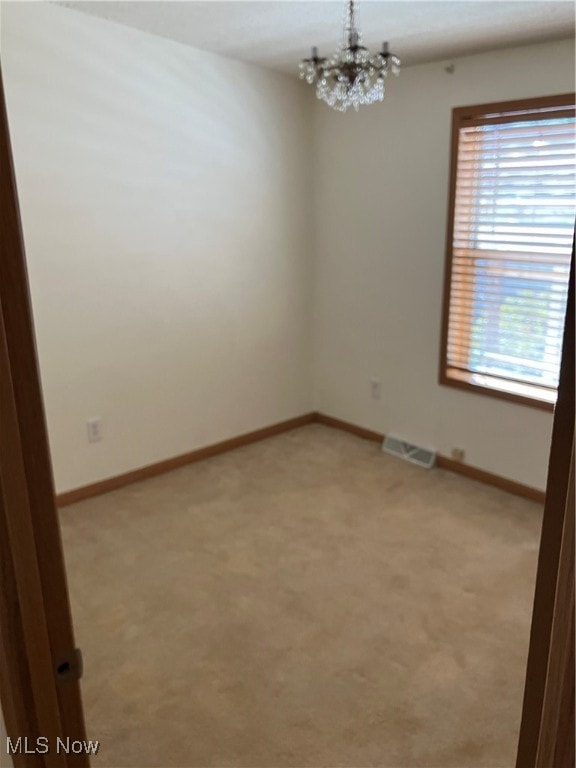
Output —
(303, 602)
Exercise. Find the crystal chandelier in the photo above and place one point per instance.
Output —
(351, 76)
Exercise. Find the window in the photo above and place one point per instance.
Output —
(510, 231)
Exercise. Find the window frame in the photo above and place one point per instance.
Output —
(525, 394)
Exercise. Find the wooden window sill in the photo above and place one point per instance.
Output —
(524, 394)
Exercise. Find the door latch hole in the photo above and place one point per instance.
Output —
(70, 668)
(63, 669)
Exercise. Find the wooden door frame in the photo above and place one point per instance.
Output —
(35, 619)
(547, 728)
(36, 636)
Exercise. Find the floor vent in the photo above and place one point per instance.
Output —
(421, 456)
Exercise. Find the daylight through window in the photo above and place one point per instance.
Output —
(510, 233)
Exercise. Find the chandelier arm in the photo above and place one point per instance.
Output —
(351, 76)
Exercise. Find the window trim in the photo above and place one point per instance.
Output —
(524, 394)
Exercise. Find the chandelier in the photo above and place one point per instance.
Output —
(351, 76)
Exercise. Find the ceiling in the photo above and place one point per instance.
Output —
(278, 33)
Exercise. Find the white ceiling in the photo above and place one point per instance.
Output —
(278, 33)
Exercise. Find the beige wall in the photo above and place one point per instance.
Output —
(178, 277)
(381, 194)
(164, 203)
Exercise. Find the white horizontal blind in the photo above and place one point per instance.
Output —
(514, 212)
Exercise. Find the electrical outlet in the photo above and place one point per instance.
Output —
(94, 429)
(376, 388)
(458, 454)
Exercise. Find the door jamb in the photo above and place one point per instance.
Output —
(36, 633)
(547, 727)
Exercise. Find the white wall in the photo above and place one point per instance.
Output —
(165, 197)
(163, 193)
(381, 196)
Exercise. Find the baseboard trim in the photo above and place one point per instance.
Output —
(160, 467)
(346, 426)
(518, 489)
(443, 462)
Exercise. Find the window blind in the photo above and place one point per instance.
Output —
(513, 225)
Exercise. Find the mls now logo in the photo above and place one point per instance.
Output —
(41, 746)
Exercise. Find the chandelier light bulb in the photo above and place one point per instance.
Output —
(352, 76)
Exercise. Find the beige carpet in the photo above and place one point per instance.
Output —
(304, 601)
